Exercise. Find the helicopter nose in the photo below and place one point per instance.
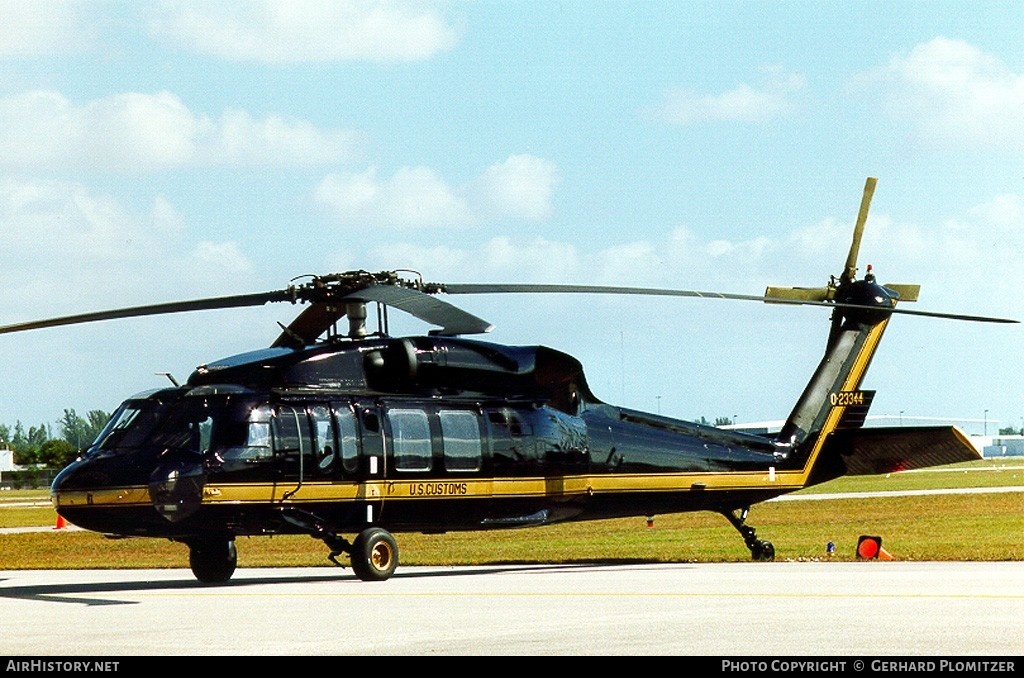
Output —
(176, 488)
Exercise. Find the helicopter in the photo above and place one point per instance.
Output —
(336, 431)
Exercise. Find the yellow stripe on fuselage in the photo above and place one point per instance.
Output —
(113, 496)
(444, 489)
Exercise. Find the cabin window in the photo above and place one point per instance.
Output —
(348, 439)
(513, 448)
(460, 433)
(410, 439)
(291, 440)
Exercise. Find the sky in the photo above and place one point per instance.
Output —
(163, 151)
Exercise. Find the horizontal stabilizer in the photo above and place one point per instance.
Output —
(870, 451)
(798, 293)
(907, 292)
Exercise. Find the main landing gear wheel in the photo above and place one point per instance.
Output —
(374, 554)
(212, 561)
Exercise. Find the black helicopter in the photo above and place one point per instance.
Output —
(327, 433)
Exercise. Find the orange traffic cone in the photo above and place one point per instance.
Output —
(884, 555)
(61, 523)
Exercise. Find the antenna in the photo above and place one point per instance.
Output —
(171, 377)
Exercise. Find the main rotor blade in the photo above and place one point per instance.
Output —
(309, 324)
(236, 301)
(525, 288)
(528, 288)
(850, 270)
(451, 319)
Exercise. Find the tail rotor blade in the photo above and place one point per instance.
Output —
(850, 271)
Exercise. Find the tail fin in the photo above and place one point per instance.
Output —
(823, 433)
(833, 399)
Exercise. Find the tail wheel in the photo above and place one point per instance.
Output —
(763, 551)
(212, 561)
(374, 554)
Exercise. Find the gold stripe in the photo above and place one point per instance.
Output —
(113, 496)
(449, 488)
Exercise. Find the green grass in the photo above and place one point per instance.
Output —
(948, 527)
(996, 472)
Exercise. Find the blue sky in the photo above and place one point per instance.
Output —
(159, 151)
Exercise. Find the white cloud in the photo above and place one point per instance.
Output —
(49, 222)
(165, 217)
(224, 256)
(413, 196)
(314, 31)
(31, 28)
(1004, 212)
(743, 103)
(952, 93)
(101, 253)
(522, 186)
(679, 258)
(500, 259)
(132, 131)
(239, 139)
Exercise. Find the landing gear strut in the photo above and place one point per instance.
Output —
(759, 549)
(373, 554)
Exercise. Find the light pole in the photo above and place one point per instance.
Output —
(986, 422)
(901, 417)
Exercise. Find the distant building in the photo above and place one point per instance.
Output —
(1004, 446)
(6, 466)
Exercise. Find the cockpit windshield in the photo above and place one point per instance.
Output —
(130, 424)
(176, 422)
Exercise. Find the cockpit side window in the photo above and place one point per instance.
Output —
(324, 444)
(290, 431)
(245, 437)
(185, 428)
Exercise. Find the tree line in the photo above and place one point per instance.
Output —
(50, 446)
